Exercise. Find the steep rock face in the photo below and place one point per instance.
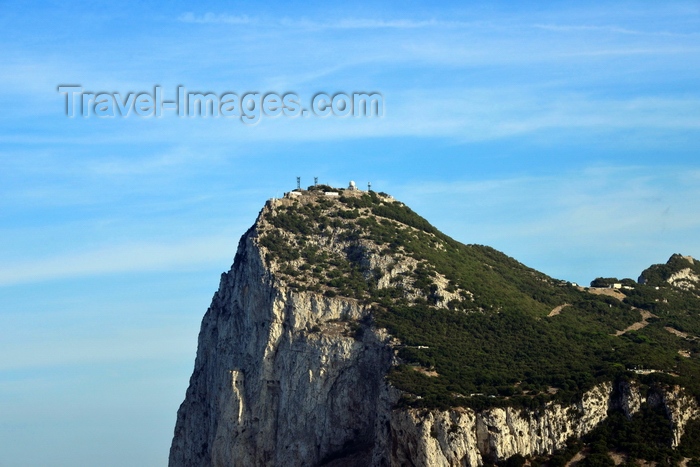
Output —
(682, 272)
(285, 376)
(463, 437)
(680, 408)
(268, 391)
(685, 279)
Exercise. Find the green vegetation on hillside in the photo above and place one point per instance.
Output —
(646, 436)
(658, 274)
(480, 320)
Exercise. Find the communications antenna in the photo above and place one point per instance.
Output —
(298, 183)
(369, 186)
(315, 181)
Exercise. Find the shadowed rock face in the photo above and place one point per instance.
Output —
(268, 390)
(285, 377)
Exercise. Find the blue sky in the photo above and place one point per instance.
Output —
(564, 135)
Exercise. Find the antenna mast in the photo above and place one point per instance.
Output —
(298, 183)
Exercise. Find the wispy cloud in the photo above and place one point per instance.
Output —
(212, 18)
(598, 220)
(586, 28)
(341, 23)
(120, 223)
(360, 23)
(166, 341)
(369, 23)
(187, 254)
(590, 28)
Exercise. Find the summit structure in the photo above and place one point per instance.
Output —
(351, 332)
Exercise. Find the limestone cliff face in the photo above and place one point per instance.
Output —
(285, 377)
(268, 389)
(680, 408)
(463, 437)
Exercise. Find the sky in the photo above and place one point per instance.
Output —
(564, 134)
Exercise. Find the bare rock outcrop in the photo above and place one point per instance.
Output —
(270, 389)
(463, 437)
(285, 377)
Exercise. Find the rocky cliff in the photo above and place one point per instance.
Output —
(297, 375)
(464, 437)
(280, 378)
